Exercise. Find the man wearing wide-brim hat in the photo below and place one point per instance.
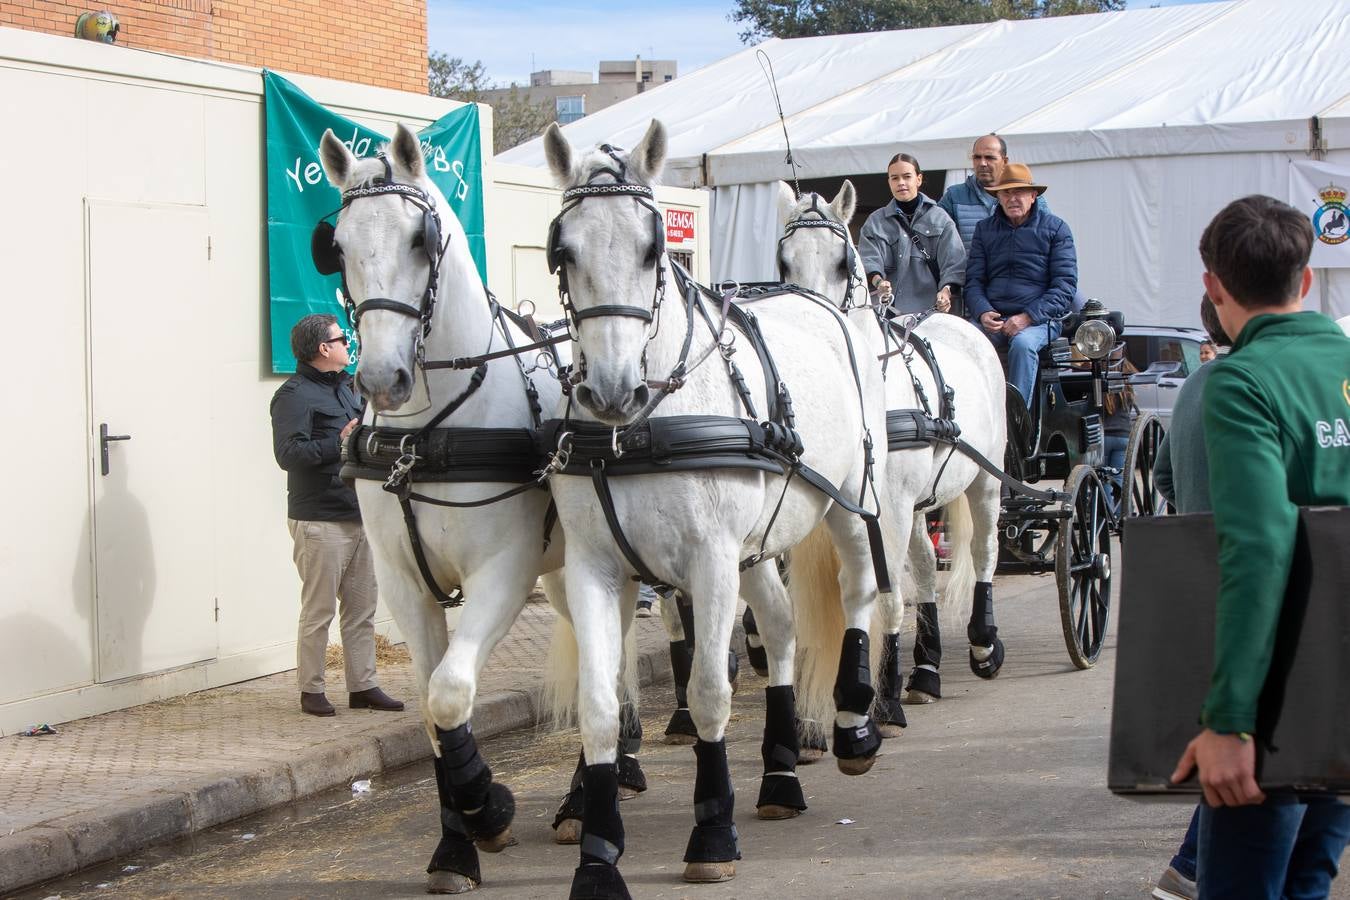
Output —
(1021, 275)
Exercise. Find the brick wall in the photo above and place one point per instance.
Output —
(376, 42)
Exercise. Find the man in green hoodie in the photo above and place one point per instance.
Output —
(1274, 411)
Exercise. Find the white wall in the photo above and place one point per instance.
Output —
(92, 123)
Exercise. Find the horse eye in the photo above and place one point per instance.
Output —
(419, 240)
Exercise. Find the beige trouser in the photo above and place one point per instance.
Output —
(333, 560)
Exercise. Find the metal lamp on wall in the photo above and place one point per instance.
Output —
(101, 26)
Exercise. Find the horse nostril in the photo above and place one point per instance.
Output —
(402, 383)
(585, 396)
(640, 395)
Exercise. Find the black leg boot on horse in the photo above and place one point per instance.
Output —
(454, 866)
(597, 877)
(780, 793)
(713, 845)
(986, 649)
(485, 807)
(855, 746)
(632, 780)
(681, 728)
(754, 646)
(925, 685)
(888, 710)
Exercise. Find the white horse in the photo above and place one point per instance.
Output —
(418, 299)
(821, 257)
(633, 320)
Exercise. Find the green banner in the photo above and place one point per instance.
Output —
(298, 194)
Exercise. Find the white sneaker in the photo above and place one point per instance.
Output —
(1174, 886)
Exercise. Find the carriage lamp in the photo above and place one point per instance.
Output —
(101, 26)
(1095, 338)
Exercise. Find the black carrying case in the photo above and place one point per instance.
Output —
(1165, 651)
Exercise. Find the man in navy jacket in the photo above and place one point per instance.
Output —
(1021, 275)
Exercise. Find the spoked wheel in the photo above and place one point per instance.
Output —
(1142, 497)
(1083, 566)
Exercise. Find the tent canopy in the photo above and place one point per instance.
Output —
(1245, 76)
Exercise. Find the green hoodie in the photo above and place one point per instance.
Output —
(1277, 425)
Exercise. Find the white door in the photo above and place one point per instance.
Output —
(150, 349)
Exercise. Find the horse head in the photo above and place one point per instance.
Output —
(607, 246)
(389, 248)
(815, 250)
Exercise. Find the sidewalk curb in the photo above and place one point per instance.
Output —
(64, 845)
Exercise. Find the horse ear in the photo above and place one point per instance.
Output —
(649, 155)
(558, 153)
(845, 203)
(406, 150)
(786, 201)
(336, 159)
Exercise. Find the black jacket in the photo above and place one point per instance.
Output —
(308, 413)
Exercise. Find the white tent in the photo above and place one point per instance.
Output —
(1144, 123)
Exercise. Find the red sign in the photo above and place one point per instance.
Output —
(679, 226)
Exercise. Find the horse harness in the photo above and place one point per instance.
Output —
(649, 444)
(401, 457)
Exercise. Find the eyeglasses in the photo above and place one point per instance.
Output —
(341, 337)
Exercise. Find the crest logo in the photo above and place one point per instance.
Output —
(1330, 221)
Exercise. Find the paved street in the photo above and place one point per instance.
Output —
(997, 791)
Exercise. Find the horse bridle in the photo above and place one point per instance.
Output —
(327, 253)
(557, 261)
(837, 228)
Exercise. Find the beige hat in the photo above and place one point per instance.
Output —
(1016, 175)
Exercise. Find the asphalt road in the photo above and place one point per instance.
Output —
(996, 791)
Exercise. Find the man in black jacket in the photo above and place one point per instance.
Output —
(312, 413)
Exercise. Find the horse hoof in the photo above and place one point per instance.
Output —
(568, 832)
(916, 697)
(449, 883)
(709, 872)
(627, 793)
(773, 812)
(860, 766)
(497, 843)
(890, 730)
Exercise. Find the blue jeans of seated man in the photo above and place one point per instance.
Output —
(1023, 361)
(1288, 847)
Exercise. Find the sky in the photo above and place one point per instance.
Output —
(516, 37)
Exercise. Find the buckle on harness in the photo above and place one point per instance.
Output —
(558, 459)
(398, 473)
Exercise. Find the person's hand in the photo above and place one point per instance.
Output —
(1016, 323)
(347, 429)
(1227, 767)
(882, 289)
(944, 299)
(991, 321)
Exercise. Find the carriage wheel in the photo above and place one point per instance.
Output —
(1083, 566)
(1142, 497)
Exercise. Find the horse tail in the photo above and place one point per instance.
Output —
(817, 606)
(956, 599)
(558, 706)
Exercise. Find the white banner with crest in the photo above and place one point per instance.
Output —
(1320, 190)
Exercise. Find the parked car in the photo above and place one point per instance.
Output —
(1164, 356)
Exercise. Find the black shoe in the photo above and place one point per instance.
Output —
(374, 698)
(316, 704)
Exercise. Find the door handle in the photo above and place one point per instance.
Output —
(103, 439)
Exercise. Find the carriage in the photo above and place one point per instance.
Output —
(1068, 530)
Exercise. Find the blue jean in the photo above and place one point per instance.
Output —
(1184, 860)
(1287, 847)
(1023, 350)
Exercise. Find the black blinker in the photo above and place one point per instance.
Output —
(324, 249)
